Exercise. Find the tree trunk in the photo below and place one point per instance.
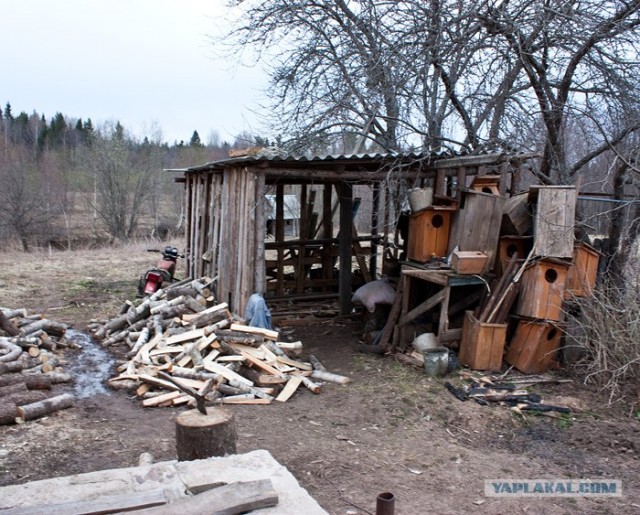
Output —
(201, 436)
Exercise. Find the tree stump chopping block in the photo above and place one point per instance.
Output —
(200, 436)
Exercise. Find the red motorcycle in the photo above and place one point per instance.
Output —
(153, 278)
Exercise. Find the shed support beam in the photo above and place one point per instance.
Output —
(346, 240)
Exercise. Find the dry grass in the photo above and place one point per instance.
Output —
(74, 286)
(610, 340)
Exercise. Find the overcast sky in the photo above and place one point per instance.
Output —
(146, 63)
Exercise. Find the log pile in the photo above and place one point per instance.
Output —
(30, 347)
(184, 349)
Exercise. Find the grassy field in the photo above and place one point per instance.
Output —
(75, 286)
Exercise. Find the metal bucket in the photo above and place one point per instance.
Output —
(436, 361)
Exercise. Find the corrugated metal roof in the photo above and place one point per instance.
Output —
(270, 158)
(275, 158)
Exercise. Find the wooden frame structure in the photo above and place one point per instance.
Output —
(226, 226)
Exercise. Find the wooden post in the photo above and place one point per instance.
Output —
(280, 237)
(327, 234)
(259, 280)
(375, 215)
(304, 228)
(346, 239)
(201, 436)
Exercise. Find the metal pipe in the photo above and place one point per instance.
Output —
(385, 504)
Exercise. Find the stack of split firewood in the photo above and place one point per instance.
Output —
(29, 366)
(183, 352)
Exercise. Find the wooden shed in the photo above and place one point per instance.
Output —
(227, 228)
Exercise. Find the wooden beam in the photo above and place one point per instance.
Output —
(259, 281)
(346, 240)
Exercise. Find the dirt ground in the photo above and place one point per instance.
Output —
(391, 430)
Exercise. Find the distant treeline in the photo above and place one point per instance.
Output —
(55, 171)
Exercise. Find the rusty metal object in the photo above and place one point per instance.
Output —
(385, 504)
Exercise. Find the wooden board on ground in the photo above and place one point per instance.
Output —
(289, 390)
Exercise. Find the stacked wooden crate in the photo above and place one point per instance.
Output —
(540, 310)
(529, 245)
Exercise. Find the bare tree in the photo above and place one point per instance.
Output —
(578, 59)
(122, 181)
(25, 208)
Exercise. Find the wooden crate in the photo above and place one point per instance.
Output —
(582, 274)
(534, 346)
(554, 222)
(517, 218)
(482, 344)
(467, 262)
(542, 290)
(429, 234)
(476, 225)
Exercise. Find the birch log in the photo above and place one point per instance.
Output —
(46, 407)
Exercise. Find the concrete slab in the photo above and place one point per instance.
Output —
(173, 477)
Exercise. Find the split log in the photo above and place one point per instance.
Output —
(46, 407)
(261, 364)
(289, 389)
(7, 325)
(243, 399)
(201, 436)
(267, 333)
(32, 382)
(294, 363)
(229, 336)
